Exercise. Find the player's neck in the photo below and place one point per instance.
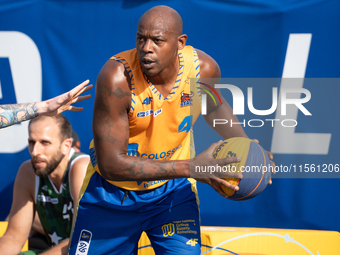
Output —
(57, 175)
(165, 80)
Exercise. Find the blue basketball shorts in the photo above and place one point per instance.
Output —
(168, 214)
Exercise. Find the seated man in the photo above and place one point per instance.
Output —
(48, 184)
(37, 238)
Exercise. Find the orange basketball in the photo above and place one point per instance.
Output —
(254, 165)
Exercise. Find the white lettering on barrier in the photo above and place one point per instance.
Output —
(25, 64)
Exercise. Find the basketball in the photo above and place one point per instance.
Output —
(254, 165)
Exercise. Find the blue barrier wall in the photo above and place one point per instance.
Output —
(47, 47)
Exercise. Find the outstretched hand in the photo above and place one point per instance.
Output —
(214, 178)
(64, 102)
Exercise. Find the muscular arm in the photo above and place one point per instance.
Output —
(14, 113)
(22, 212)
(111, 133)
(210, 69)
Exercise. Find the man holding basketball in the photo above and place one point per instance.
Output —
(143, 152)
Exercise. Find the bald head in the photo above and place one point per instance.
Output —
(162, 16)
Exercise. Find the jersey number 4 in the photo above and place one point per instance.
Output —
(185, 124)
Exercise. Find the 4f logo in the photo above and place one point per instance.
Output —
(168, 229)
(192, 242)
(147, 100)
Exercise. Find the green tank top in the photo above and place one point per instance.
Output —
(55, 208)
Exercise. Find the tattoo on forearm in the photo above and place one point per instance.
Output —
(11, 114)
(137, 169)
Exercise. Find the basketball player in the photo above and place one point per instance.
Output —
(15, 113)
(48, 184)
(142, 153)
(37, 239)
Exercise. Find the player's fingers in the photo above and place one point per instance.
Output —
(84, 83)
(81, 98)
(212, 147)
(85, 89)
(255, 140)
(75, 109)
(270, 155)
(228, 174)
(227, 184)
(78, 99)
(218, 189)
(78, 89)
(232, 175)
(81, 85)
(227, 161)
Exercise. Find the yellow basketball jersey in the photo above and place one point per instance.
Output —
(160, 128)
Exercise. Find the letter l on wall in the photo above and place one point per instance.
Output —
(285, 140)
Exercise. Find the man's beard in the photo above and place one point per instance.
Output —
(50, 167)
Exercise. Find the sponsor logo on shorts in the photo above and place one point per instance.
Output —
(84, 242)
(192, 242)
(148, 184)
(168, 229)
